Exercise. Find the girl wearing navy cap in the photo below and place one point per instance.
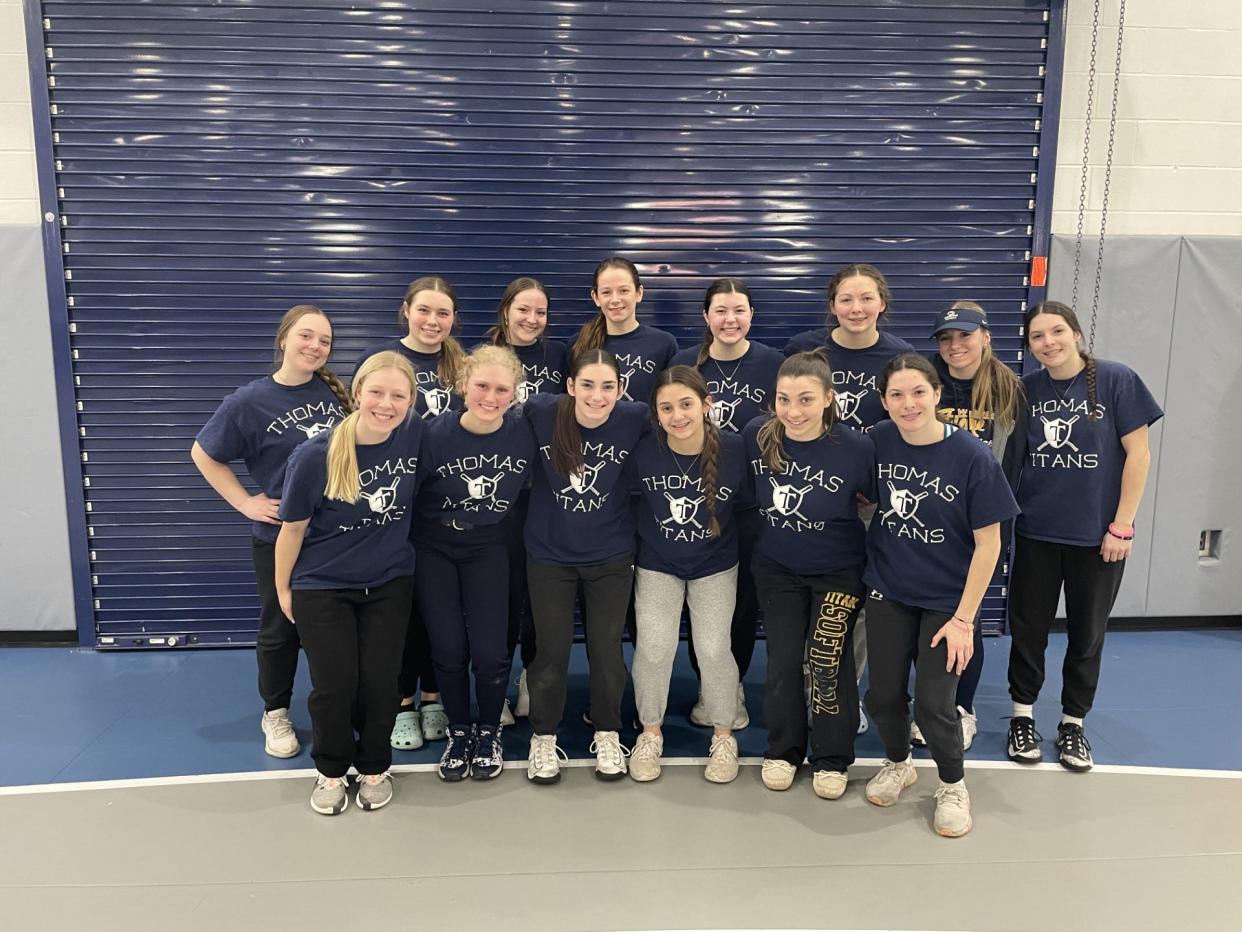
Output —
(473, 466)
(741, 377)
(428, 312)
(642, 352)
(261, 424)
(580, 531)
(344, 575)
(1084, 467)
(981, 395)
(521, 324)
(808, 471)
(931, 552)
(692, 475)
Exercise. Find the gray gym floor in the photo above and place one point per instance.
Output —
(1114, 849)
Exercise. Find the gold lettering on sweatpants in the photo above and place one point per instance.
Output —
(828, 644)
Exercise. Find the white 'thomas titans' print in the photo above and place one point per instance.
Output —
(902, 514)
(321, 415)
(481, 476)
(378, 488)
(581, 494)
(792, 491)
(687, 519)
(1058, 420)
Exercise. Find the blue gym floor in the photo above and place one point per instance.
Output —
(1167, 699)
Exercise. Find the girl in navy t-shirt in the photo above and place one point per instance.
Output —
(472, 468)
(642, 352)
(741, 377)
(344, 568)
(931, 550)
(521, 323)
(1084, 467)
(981, 395)
(692, 476)
(261, 424)
(580, 531)
(808, 471)
(429, 314)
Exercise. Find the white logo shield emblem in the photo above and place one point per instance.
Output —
(721, 413)
(316, 429)
(583, 482)
(482, 486)
(683, 510)
(787, 500)
(526, 389)
(437, 401)
(904, 504)
(382, 499)
(847, 405)
(1057, 433)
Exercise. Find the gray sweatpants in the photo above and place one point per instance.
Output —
(658, 598)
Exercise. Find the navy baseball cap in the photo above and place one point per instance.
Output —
(964, 319)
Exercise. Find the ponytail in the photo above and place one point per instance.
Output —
(591, 336)
(452, 361)
(771, 439)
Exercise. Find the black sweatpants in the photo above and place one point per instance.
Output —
(521, 619)
(898, 635)
(746, 609)
(606, 589)
(1040, 569)
(278, 642)
(460, 581)
(810, 616)
(352, 639)
(417, 671)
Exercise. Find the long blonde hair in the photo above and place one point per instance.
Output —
(344, 484)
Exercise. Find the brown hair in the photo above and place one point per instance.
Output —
(566, 435)
(291, 317)
(1065, 312)
(451, 353)
(498, 333)
(591, 336)
(916, 361)
(719, 286)
(344, 484)
(867, 271)
(709, 459)
(771, 437)
(996, 391)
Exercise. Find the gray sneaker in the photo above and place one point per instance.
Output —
(374, 790)
(329, 796)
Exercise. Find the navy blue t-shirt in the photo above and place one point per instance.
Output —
(932, 499)
(741, 389)
(545, 363)
(1071, 473)
(587, 519)
(809, 513)
(367, 543)
(434, 397)
(643, 354)
(472, 478)
(673, 520)
(855, 373)
(261, 424)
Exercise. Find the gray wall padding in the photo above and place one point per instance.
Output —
(1171, 308)
(34, 542)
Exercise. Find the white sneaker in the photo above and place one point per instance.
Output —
(970, 727)
(778, 774)
(543, 764)
(829, 784)
(506, 715)
(645, 758)
(722, 766)
(279, 739)
(742, 719)
(521, 708)
(916, 735)
(610, 755)
(884, 789)
(863, 724)
(953, 810)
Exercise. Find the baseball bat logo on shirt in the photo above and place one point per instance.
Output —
(316, 429)
(526, 389)
(721, 413)
(787, 500)
(904, 504)
(1057, 433)
(848, 404)
(584, 481)
(682, 510)
(482, 486)
(382, 499)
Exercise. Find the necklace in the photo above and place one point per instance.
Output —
(728, 377)
(685, 473)
(1065, 394)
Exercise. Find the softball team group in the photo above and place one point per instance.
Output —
(413, 531)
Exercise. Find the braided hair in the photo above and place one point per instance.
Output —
(709, 458)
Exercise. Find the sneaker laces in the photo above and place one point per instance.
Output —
(546, 751)
(952, 793)
(374, 779)
(607, 746)
(647, 748)
(1024, 733)
(487, 746)
(1073, 743)
(455, 749)
(330, 782)
(722, 746)
(892, 772)
(279, 725)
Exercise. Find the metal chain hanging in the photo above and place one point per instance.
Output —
(1108, 163)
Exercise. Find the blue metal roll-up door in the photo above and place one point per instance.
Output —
(216, 164)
